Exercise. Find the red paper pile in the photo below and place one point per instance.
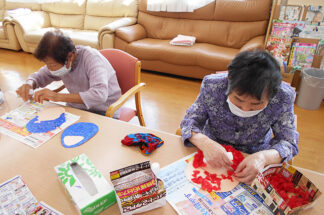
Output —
(211, 181)
(295, 197)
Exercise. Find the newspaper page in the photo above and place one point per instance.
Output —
(16, 198)
(188, 199)
(14, 123)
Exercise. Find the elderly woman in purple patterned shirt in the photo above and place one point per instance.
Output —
(87, 75)
(250, 109)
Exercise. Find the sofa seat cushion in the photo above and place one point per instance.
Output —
(200, 54)
(79, 37)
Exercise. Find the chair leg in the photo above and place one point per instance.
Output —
(139, 109)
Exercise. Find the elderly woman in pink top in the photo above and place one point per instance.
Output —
(87, 75)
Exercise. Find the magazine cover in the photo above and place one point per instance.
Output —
(290, 12)
(279, 47)
(311, 30)
(282, 30)
(302, 54)
(315, 14)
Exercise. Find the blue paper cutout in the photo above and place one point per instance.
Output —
(44, 126)
(84, 129)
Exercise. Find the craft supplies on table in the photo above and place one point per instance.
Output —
(186, 198)
(14, 124)
(137, 188)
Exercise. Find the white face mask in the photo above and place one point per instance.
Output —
(241, 113)
(62, 71)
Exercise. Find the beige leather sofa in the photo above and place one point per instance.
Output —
(87, 22)
(8, 39)
(222, 29)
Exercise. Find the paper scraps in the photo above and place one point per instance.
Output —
(211, 179)
(78, 133)
(47, 120)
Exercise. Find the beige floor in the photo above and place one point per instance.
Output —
(166, 99)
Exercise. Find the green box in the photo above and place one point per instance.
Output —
(87, 188)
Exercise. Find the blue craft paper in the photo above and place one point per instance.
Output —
(84, 129)
(44, 126)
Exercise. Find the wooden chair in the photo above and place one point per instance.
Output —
(128, 71)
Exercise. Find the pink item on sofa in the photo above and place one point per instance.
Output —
(183, 40)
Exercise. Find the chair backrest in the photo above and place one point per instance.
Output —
(127, 67)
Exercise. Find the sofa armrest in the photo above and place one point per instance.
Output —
(32, 21)
(111, 27)
(131, 33)
(254, 43)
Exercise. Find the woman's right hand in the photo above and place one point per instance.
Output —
(23, 92)
(214, 153)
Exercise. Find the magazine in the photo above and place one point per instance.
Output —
(312, 30)
(302, 54)
(290, 12)
(279, 47)
(282, 30)
(315, 14)
(187, 199)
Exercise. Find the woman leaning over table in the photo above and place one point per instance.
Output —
(250, 109)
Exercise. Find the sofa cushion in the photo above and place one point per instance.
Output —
(96, 22)
(112, 8)
(65, 6)
(79, 37)
(31, 4)
(202, 54)
(66, 21)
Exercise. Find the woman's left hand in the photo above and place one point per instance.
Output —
(249, 167)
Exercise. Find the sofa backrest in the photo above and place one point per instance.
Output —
(222, 22)
(66, 13)
(102, 12)
(2, 9)
(31, 4)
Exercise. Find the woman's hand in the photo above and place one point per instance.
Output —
(214, 153)
(23, 92)
(45, 95)
(249, 167)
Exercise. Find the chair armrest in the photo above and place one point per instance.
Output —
(115, 106)
(32, 21)
(254, 43)
(131, 33)
(59, 89)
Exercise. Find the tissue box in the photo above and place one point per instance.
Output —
(87, 188)
(271, 197)
(138, 189)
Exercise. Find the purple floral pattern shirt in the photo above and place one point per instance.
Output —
(272, 128)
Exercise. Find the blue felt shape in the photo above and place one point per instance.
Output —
(84, 129)
(44, 126)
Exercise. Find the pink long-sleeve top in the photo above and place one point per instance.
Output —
(92, 76)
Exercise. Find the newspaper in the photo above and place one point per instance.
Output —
(14, 123)
(188, 199)
(16, 198)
